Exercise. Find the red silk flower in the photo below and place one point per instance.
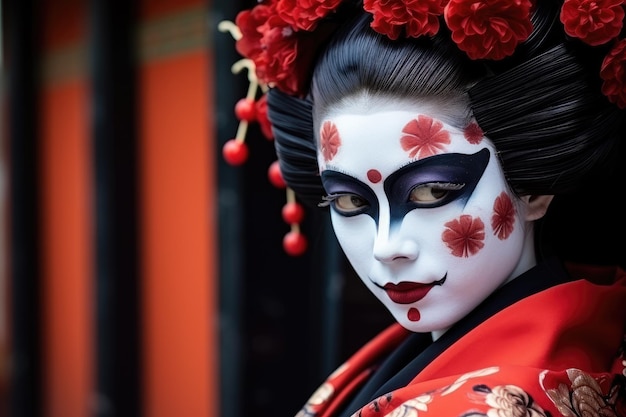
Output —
(594, 22)
(488, 29)
(270, 42)
(613, 74)
(281, 50)
(248, 22)
(415, 17)
(304, 15)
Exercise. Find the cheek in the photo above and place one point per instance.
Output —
(476, 258)
(490, 217)
(355, 235)
(426, 225)
(498, 213)
(505, 217)
(464, 236)
(489, 224)
(487, 230)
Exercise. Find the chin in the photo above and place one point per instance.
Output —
(415, 327)
(422, 326)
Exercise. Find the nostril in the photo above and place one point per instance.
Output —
(396, 250)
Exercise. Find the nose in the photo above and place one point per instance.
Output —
(391, 247)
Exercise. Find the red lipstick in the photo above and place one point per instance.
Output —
(407, 292)
(410, 292)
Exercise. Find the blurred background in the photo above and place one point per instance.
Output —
(141, 275)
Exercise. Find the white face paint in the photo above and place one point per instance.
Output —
(422, 210)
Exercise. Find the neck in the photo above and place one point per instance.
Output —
(436, 334)
(527, 258)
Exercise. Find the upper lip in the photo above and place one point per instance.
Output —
(407, 292)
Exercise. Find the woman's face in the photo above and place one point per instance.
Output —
(421, 209)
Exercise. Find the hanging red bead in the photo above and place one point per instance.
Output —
(293, 212)
(275, 176)
(235, 152)
(294, 243)
(245, 109)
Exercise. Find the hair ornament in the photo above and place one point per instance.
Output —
(279, 40)
(596, 23)
(251, 109)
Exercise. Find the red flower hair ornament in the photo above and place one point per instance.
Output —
(280, 36)
(277, 34)
(278, 40)
(600, 22)
(488, 29)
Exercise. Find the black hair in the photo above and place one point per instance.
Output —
(542, 108)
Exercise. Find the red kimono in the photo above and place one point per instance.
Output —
(549, 343)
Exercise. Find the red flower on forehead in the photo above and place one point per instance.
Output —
(415, 17)
(329, 140)
(424, 137)
(464, 236)
(488, 28)
(473, 133)
(613, 74)
(305, 15)
(503, 219)
(594, 22)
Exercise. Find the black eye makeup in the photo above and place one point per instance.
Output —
(347, 195)
(434, 182)
(428, 183)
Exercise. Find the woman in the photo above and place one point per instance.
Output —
(439, 133)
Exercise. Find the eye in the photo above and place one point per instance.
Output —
(346, 204)
(432, 192)
(349, 202)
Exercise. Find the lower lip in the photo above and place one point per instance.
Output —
(407, 292)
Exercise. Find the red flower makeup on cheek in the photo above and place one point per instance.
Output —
(464, 236)
(503, 218)
(424, 137)
(329, 140)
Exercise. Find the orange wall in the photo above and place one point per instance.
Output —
(177, 189)
(67, 251)
(179, 262)
(179, 270)
(66, 215)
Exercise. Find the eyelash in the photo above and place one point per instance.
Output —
(448, 186)
(328, 199)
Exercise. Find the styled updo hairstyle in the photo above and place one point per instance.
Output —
(542, 108)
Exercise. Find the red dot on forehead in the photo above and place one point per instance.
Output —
(374, 175)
